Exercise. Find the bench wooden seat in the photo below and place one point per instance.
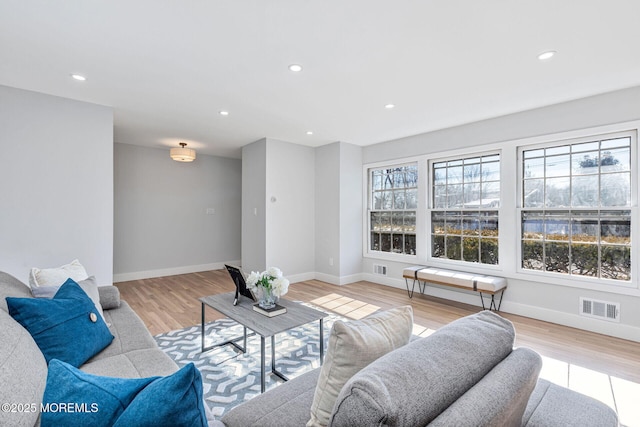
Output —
(480, 283)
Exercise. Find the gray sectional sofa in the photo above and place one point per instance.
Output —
(133, 353)
(462, 375)
(465, 374)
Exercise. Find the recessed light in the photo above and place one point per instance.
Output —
(296, 68)
(309, 132)
(546, 55)
(224, 113)
(390, 106)
(79, 77)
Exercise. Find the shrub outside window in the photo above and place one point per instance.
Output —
(576, 216)
(465, 203)
(392, 209)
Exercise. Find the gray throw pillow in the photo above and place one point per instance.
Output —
(352, 346)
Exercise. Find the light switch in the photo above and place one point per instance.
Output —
(211, 211)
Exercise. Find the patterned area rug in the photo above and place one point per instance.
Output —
(230, 377)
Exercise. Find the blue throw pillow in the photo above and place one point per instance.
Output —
(91, 400)
(67, 327)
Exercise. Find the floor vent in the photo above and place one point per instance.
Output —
(380, 269)
(600, 309)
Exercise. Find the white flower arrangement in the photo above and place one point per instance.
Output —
(271, 280)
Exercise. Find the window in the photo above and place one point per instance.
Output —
(392, 209)
(576, 216)
(464, 216)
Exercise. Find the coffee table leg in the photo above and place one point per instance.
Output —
(202, 330)
(273, 353)
(321, 342)
(245, 340)
(261, 364)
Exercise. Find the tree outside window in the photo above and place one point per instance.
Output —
(575, 218)
(392, 209)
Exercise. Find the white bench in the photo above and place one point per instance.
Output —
(480, 283)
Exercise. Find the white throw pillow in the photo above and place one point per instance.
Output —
(57, 276)
(352, 346)
(89, 286)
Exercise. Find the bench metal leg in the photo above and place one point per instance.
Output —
(413, 286)
(492, 305)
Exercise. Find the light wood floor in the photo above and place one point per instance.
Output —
(603, 367)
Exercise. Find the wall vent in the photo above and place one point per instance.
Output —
(600, 309)
(380, 269)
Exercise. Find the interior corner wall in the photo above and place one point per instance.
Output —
(254, 171)
(174, 217)
(290, 209)
(56, 184)
(327, 212)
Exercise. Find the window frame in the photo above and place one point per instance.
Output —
(367, 186)
(585, 282)
(429, 209)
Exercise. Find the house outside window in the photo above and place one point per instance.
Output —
(465, 201)
(393, 193)
(576, 208)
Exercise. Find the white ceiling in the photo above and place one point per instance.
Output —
(168, 67)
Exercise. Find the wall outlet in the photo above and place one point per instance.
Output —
(331, 261)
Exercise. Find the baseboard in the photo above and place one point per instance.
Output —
(149, 274)
(617, 330)
(302, 277)
(338, 280)
(561, 318)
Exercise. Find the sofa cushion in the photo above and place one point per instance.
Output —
(88, 285)
(352, 346)
(106, 401)
(23, 373)
(553, 405)
(128, 330)
(413, 384)
(66, 327)
(286, 405)
(58, 275)
(132, 364)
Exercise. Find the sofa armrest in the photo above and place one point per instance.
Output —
(109, 297)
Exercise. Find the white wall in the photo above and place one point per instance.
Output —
(351, 205)
(254, 167)
(290, 209)
(532, 298)
(327, 212)
(56, 184)
(161, 222)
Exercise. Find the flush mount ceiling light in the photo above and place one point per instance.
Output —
(546, 55)
(390, 106)
(309, 132)
(78, 77)
(296, 68)
(182, 153)
(223, 113)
